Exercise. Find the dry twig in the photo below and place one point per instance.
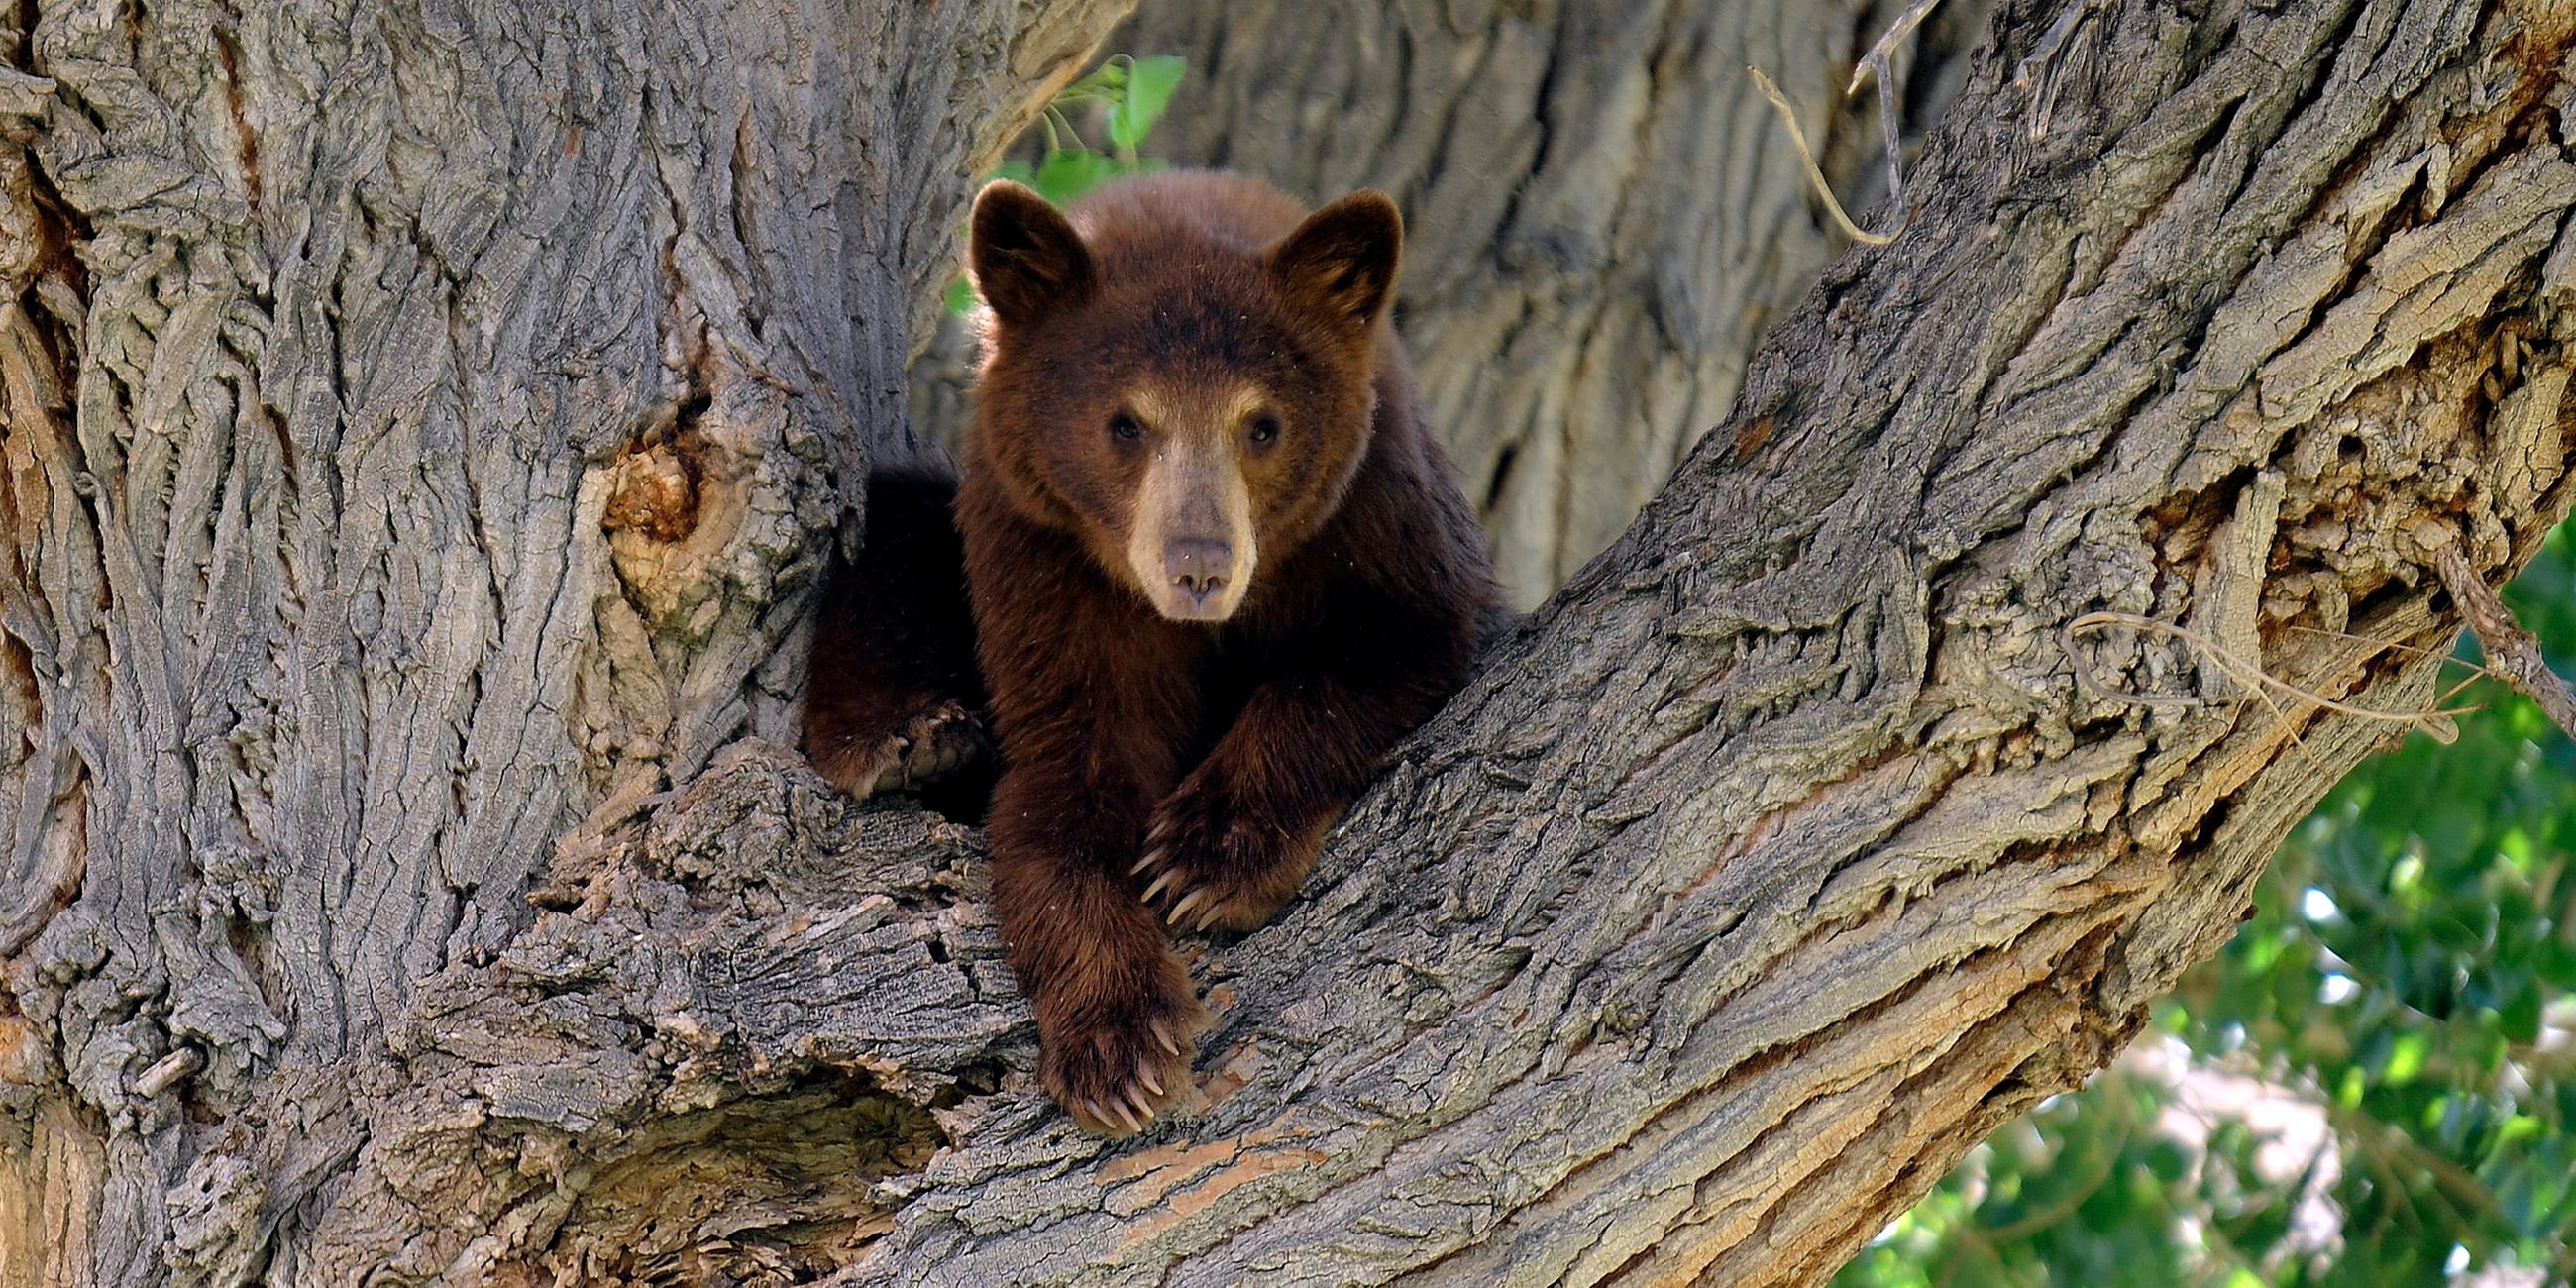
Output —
(1877, 65)
(2248, 675)
(2513, 654)
(1815, 173)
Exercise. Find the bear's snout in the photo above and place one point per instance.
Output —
(1198, 569)
(1191, 544)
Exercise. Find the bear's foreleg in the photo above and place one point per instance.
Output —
(1117, 1017)
(1232, 842)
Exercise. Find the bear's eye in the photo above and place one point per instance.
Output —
(1265, 429)
(1124, 428)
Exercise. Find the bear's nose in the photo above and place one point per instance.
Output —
(1197, 567)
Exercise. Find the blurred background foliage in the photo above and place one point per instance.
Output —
(2373, 1085)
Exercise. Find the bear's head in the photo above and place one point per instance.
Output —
(1191, 407)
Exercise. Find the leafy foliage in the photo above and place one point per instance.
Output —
(1129, 95)
(2406, 988)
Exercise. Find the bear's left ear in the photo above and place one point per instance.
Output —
(1341, 262)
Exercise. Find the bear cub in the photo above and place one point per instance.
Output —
(1216, 569)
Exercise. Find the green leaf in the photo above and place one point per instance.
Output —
(1149, 94)
(1064, 177)
(2406, 1059)
(1108, 81)
(2558, 964)
(2520, 1018)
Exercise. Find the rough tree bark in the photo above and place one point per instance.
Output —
(424, 423)
(1606, 215)
(1766, 868)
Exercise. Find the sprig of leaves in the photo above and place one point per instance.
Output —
(1131, 95)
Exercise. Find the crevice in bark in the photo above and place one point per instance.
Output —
(777, 1190)
(655, 487)
(228, 55)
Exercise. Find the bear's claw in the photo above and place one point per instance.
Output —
(925, 749)
(1119, 1067)
(1213, 865)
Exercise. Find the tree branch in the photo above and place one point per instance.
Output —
(2513, 654)
(1781, 856)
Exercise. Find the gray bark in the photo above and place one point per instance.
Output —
(1605, 215)
(424, 425)
(1771, 864)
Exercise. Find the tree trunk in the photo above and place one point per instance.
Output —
(424, 426)
(374, 572)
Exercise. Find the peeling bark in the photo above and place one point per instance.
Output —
(1767, 867)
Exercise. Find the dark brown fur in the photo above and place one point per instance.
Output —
(893, 700)
(1216, 753)
(1193, 766)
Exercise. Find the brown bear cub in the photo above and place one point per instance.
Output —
(1217, 569)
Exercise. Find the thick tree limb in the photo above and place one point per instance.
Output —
(1764, 870)
(1780, 858)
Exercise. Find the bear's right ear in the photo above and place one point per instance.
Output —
(1027, 261)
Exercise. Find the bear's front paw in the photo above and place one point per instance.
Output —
(1115, 1061)
(918, 751)
(1213, 865)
